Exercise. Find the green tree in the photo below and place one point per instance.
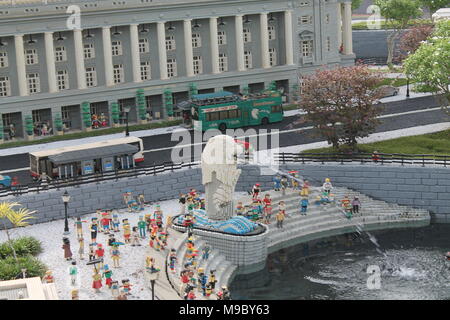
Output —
(356, 4)
(434, 5)
(429, 66)
(398, 14)
(17, 217)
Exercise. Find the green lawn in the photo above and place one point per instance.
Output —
(433, 143)
(363, 25)
(94, 133)
(394, 82)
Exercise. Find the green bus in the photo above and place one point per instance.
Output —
(223, 110)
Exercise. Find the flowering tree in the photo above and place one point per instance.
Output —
(411, 40)
(340, 103)
(429, 66)
(17, 217)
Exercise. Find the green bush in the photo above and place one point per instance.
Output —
(24, 246)
(10, 269)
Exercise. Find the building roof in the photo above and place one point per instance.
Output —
(90, 154)
(443, 13)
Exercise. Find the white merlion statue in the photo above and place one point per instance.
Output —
(220, 175)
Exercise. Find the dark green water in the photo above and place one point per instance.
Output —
(411, 263)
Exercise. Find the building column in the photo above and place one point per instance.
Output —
(347, 28)
(339, 25)
(135, 54)
(20, 62)
(239, 42)
(288, 37)
(162, 50)
(50, 60)
(264, 40)
(214, 44)
(79, 58)
(187, 27)
(107, 56)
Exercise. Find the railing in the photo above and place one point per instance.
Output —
(57, 184)
(363, 158)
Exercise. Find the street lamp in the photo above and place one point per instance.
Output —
(127, 112)
(407, 87)
(66, 199)
(152, 275)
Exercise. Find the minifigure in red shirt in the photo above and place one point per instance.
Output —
(267, 206)
(105, 224)
(100, 253)
(256, 190)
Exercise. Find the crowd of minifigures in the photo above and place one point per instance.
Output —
(108, 223)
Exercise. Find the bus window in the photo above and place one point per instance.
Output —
(233, 114)
(276, 109)
(212, 116)
(223, 115)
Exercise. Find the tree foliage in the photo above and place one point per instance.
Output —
(411, 40)
(356, 4)
(340, 103)
(434, 5)
(398, 14)
(429, 66)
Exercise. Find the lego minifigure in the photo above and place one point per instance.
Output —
(142, 226)
(182, 202)
(212, 279)
(168, 224)
(66, 247)
(74, 294)
(126, 286)
(304, 202)
(81, 248)
(48, 278)
(208, 290)
(294, 179)
(163, 240)
(284, 185)
(172, 259)
(103, 121)
(327, 186)
(115, 289)
(111, 239)
(91, 251)
(305, 188)
(158, 216)
(256, 190)
(205, 252)
(73, 272)
(280, 219)
(277, 183)
(224, 294)
(97, 281)
(141, 200)
(135, 237)
(240, 209)
(202, 280)
(126, 230)
(267, 207)
(100, 253)
(105, 222)
(116, 222)
(79, 227)
(94, 230)
(355, 205)
(107, 274)
(115, 255)
(98, 221)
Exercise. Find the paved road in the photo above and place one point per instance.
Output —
(395, 115)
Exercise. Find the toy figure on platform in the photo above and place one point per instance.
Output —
(305, 189)
(294, 179)
(133, 205)
(115, 289)
(208, 290)
(182, 202)
(81, 248)
(126, 286)
(48, 278)
(91, 251)
(212, 279)
(284, 185)
(267, 207)
(188, 221)
(203, 204)
(127, 197)
(304, 205)
(202, 280)
(116, 222)
(168, 224)
(103, 121)
(240, 209)
(172, 259)
(142, 226)
(111, 239)
(224, 294)
(135, 237)
(256, 190)
(79, 227)
(158, 216)
(280, 219)
(141, 200)
(162, 240)
(345, 202)
(100, 253)
(95, 121)
(277, 182)
(74, 294)
(255, 215)
(282, 207)
(66, 247)
(97, 281)
(327, 186)
(94, 230)
(115, 255)
(99, 214)
(205, 252)
(355, 205)
(73, 272)
(126, 230)
(107, 274)
(193, 193)
(105, 223)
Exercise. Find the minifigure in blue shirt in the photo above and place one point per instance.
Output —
(277, 183)
(304, 205)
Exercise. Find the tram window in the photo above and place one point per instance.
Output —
(276, 109)
(212, 116)
(223, 115)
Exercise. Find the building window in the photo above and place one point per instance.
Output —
(327, 18)
(304, 3)
(144, 46)
(91, 77)
(171, 68)
(62, 77)
(196, 40)
(60, 54)
(89, 51)
(7, 119)
(307, 48)
(248, 60)
(328, 44)
(247, 35)
(118, 73)
(5, 89)
(271, 32)
(36, 115)
(170, 43)
(306, 19)
(65, 113)
(34, 84)
(222, 37)
(198, 65)
(272, 57)
(3, 59)
(31, 56)
(223, 62)
(145, 71)
(116, 48)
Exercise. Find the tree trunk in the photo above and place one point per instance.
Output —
(390, 47)
(10, 242)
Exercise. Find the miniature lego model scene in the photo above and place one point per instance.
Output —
(262, 150)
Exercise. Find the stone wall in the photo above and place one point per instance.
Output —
(427, 188)
(371, 43)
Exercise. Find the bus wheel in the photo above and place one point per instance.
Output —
(222, 127)
(264, 121)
